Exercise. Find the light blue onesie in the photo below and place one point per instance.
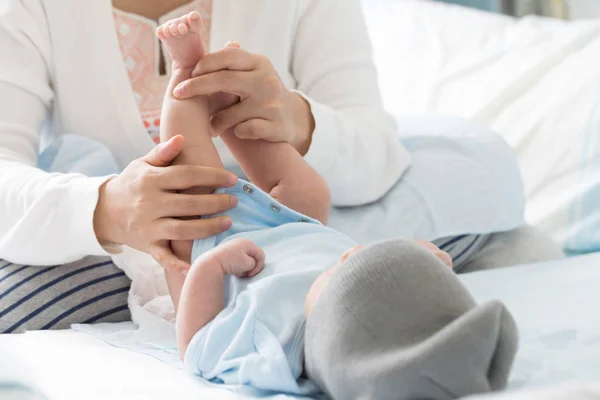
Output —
(258, 339)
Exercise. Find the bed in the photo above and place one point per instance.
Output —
(555, 304)
(536, 82)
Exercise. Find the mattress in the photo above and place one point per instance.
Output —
(556, 306)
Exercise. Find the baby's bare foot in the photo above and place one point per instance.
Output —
(181, 37)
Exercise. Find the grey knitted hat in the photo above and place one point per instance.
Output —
(394, 322)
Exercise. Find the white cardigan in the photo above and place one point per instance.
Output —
(60, 63)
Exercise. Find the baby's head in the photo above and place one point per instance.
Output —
(320, 284)
(391, 311)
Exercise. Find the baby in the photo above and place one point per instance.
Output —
(280, 297)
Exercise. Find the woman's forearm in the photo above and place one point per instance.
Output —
(46, 219)
(200, 301)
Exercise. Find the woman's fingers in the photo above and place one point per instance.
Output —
(254, 129)
(236, 114)
(177, 229)
(228, 58)
(194, 205)
(181, 177)
(163, 254)
(164, 153)
(220, 101)
(233, 82)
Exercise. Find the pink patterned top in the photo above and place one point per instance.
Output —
(142, 56)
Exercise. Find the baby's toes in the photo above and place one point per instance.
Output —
(164, 32)
(173, 29)
(194, 21)
(182, 28)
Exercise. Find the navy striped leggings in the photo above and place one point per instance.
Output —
(87, 291)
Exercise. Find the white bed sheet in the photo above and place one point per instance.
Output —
(555, 304)
(557, 308)
(70, 365)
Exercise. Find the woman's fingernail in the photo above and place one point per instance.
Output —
(231, 44)
(233, 201)
(232, 180)
(184, 272)
(226, 223)
(178, 91)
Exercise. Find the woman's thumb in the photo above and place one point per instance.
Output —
(164, 154)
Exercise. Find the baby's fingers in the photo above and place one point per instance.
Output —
(444, 257)
(257, 254)
(259, 262)
(255, 271)
(251, 267)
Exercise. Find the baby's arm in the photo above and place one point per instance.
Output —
(278, 169)
(198, 297)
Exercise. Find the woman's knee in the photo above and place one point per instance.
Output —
(524, 245)
(441, 125)
(87, 291)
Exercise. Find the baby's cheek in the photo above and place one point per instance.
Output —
(316, 289)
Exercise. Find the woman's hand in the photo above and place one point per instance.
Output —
(266, 110)
(141, 208)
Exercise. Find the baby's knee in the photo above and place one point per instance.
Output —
(323, 201)
(309, 196)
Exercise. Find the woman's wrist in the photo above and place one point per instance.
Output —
(102, 221)
(304, 123)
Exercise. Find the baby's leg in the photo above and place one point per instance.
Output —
(189, 118)
(278, 169)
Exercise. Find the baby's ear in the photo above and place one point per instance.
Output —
(349, 252)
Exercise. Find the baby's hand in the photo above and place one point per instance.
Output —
(240, 257)
(442, 255)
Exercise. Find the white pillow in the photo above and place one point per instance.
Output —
(532, 80)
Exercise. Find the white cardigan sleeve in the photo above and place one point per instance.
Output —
(44, 218)
(355, 146)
